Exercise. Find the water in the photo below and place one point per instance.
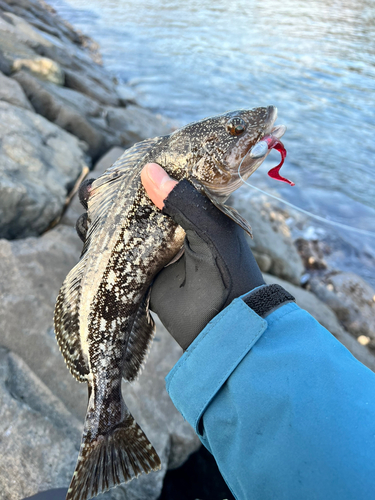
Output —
(314, 60)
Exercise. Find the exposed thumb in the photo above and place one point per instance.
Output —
(157, 183)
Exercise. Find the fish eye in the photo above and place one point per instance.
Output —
(236, 126)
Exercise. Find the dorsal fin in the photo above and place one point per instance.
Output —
(105, 189)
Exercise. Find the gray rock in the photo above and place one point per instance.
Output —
(23, 39)
(11, 47)
(272, 243)
(11, 92)
(58, 106)
(39, 437)
(32, 271)
(38, 163)
(326, 317)
(86, 85)
(136, 123)
(99, 126)
(352, 299)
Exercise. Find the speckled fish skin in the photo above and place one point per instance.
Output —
(102, 322)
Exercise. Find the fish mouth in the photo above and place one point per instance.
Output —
(254, 157)
(257, 153)
(269, 129)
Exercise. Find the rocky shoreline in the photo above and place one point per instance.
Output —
(62, 114)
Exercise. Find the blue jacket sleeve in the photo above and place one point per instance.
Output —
(286, 410)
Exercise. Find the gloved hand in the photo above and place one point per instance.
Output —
(217, 265)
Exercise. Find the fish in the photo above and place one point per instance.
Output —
(102, 321)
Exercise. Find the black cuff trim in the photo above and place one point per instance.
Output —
(265, 299)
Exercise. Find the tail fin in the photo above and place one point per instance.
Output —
(108, 460)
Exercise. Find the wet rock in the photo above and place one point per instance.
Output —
(39, 437)
(320, 309)
(272, 243)
(38, 162)
(352, 299)
(43, 68)
(11, 92)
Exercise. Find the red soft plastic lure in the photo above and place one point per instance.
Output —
(274, 143)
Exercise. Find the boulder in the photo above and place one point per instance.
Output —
(39, 437)
(86, 85)
(352, 299)
(58, 106)
(272, 243)
(11, 92)
(101, 127)
(38, 163)
(326, 317)
(134, 123)
(11, 47)
(32, 271)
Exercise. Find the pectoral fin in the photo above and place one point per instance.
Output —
(139, 342)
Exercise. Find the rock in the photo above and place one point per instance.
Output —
(11, 92)
(79, 81)
(126, 93)
(326, 317)
(43, 68)
(32, 271)
(58, 106)
(11, 48)
(39, 437)
(38, 163)
(352, 299)
(272, 240)
(136, 124)
(312, 253)
(99, 126)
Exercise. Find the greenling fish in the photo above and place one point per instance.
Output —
(102, 322)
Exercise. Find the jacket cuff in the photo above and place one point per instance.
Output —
(223, 343)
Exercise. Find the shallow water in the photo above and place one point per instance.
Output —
(314, 60)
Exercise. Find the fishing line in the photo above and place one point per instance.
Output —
(310, 214)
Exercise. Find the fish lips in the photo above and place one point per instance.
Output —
(257, 153)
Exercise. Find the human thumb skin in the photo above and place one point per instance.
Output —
(157, 183)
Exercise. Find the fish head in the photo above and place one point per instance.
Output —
(222, 147)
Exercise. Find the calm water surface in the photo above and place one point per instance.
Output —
(314, 60)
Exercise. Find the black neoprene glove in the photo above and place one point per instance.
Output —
(216, 268)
